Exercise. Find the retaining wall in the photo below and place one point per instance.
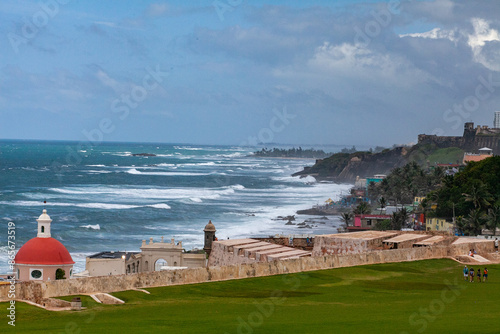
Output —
(37, 291)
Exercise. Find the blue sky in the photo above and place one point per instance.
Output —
(237, 72)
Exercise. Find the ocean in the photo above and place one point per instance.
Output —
(101, 198)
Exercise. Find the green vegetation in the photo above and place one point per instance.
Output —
(473, 196)
(292, 153)
(449, 155)
(407, 297)
(404, 183)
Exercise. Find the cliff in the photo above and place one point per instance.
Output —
(344, 167)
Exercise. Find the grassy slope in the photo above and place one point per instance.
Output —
(384, 298)
(450, 155)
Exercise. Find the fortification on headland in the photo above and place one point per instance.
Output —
(472, 140)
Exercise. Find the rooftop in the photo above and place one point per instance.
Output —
(365, 235)
(406, 237)
(112, 255)
(431, 241)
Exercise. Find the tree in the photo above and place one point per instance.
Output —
(383, 203)
(346, 217)
(493, 218)
(472, 224)
(362, 208)
(478, 194)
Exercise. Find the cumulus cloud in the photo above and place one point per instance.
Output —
(482, 36)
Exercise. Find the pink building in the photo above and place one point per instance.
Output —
(366, 222)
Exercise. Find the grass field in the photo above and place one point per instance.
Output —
(413, 297)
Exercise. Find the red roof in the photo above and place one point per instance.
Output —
(43, 251)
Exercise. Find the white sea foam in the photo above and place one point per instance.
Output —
(98, 171)
(120, 193)
(96, 165)
(160, 206)
(104, 206)
(188, 148)
(134, 171)
(196, 199)
(93, 227)
(308, 179)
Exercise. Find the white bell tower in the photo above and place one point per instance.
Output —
(44, 225)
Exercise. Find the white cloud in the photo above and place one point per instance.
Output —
(478, 40)
(436, 33)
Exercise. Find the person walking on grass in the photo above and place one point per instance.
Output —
(466, 273)
(485, 275)
(471, 275)
(479, 275)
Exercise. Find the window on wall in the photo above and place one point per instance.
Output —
(36, 274)
(43, 229)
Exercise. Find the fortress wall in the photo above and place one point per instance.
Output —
(297, 242)
(337, 244)
(37, 291)
(222, 255)
(480, 246)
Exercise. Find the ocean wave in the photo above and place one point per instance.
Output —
(308, 179)
(96, 165)
(196, 199)
(188, 148)
(160, 206)
(232, 155)
(105, 206)
(148, 193)
(98, 171)
(93, 227)
(134, 171)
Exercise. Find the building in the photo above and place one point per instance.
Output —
(43, 258)
(154, 256)
(439, 224)
(471, 140)
(366, 222)
(496, 121)
(484, 153)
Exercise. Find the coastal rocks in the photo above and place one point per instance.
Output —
(288, 218)
(320, 211)
(143, 155)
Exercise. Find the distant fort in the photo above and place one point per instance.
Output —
(472, 140)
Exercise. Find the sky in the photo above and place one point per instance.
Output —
(236, 72)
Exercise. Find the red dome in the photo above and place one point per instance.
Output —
(43, 251)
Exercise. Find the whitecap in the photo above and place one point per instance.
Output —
(93, 227)
(160, 206)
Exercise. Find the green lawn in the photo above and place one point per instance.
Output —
(413, 297)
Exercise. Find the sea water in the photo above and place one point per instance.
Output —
(101, 198)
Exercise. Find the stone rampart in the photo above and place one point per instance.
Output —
(37, 291)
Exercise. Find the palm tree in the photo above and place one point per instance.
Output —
(383, 203)
(479, 195)
(493, 218)
(362, 209)
(346, 217)
(473, 223)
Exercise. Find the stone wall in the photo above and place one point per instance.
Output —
(37, 291)
(480, 246)
(343, 244)
(300, 243)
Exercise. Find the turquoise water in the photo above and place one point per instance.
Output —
(102, 198)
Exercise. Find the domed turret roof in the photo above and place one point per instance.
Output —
(209, 227)
(44, 216)
(44, 251)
